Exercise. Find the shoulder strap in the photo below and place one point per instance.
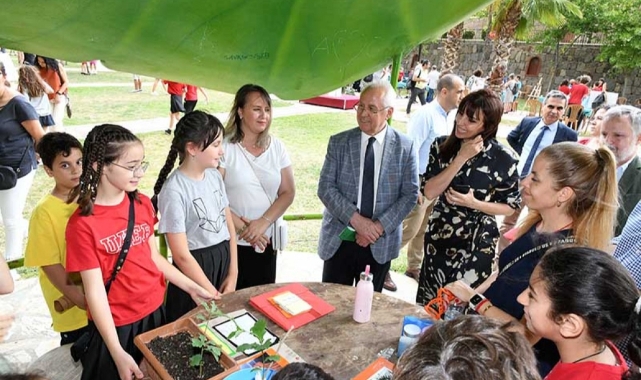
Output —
(125, 244)
(24, 153)
(544, 246)
(242, 150)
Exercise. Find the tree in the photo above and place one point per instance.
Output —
(514, 18)
(451, 48)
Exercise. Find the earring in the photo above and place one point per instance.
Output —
(558, 203)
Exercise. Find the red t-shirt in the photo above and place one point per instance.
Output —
(565, 90)
(95, 241)
(577, 92)
(590, 370)
(174, 88)
(192, 93)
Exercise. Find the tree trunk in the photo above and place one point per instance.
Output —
(555, 67)
(503, 46)
(451, 49)
(626, 85)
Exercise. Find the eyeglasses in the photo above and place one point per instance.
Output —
(372, 110)
(142, 168)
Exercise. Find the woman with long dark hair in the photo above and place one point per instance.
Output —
(56, 77)
(474, 178)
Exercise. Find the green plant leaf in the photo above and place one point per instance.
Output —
(244, 347)
(235, 333)
(199, 341)
(272, 359)
(196, 360)
(258, 329)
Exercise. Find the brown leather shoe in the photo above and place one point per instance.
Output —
(413, 273)
(389, 284)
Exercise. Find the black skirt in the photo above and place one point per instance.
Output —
(214, 262)
(255, 268)
(98, 364)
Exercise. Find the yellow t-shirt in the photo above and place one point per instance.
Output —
(47, 246)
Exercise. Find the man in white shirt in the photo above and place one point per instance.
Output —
(428, 123)
(621, 132)
(432, 83)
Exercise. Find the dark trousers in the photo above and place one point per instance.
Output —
(255, 268)
(420, 92)
(190, 105)
(349, 261)
(430, 95)
(71, 336)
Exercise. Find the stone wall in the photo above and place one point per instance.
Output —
(573, 61)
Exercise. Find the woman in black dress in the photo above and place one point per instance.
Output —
(475, 178)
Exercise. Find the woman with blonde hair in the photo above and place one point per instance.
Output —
(572, 197)
(259, 181)
(32, 86)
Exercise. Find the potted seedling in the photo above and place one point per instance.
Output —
(180, 351)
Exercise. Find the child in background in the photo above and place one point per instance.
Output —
(113, 164)
(194, 210)
(175, 91)
(191, 97)
(34, 88)
(61, 156)
(581, 299)
(301, 371)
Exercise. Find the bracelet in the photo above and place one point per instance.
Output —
(267, 219)
(487, 307)
(485, 300)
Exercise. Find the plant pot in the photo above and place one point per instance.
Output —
(156, 369)
(248, 374)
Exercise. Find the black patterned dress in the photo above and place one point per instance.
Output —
(460, 242)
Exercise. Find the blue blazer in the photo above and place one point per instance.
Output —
(519, 135)
(338, 190)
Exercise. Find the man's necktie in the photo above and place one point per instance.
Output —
(535, 147)
(367, 192)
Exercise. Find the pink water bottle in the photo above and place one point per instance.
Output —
(364, 296)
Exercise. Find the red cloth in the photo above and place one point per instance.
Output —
(589, 370)
(95, 242)
(52, 78)
(174, 88)
(577, 92)
(192, 92)
(565, 90)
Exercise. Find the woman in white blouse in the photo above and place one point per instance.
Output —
(259, 181)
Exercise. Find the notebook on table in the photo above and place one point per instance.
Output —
(311, 308)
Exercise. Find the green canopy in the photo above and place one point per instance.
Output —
(294, 48)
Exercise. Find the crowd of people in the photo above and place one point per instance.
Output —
(551, 301)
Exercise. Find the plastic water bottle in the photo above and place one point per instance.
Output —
(410, 335)
(454, 309)
(364, 296)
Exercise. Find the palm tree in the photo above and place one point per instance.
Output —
(514, 18)
(451, 47)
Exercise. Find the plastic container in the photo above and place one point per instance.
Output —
(364, 296)
(411, 333)
(454, 309)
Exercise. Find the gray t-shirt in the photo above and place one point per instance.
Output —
(196, 208)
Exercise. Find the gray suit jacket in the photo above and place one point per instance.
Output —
(629, 193)
(338, 190)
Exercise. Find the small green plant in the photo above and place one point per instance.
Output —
(258, 331)
(201, 341)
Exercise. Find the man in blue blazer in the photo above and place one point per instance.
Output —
(369, 182)
(530, 137)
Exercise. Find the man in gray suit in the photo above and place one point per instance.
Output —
(369, 182)
(621, 132)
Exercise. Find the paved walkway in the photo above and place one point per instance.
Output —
(31, 335)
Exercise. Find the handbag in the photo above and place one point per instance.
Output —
(80, 347)
(68, 109)
(279, 235)
(600, 99)
(9, 175)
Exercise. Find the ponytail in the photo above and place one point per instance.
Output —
(164, 173)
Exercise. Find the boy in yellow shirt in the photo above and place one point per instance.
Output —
(61, 156)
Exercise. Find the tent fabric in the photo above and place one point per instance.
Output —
(294, 48)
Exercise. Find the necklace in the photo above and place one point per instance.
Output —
(591, 355)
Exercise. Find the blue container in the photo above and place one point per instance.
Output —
(248, 374)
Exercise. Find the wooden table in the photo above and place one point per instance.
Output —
(334, 342)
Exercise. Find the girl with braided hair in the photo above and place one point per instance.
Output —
(112, 167)
(194, 209)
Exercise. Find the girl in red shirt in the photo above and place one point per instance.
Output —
(112, 167)
(582, 299)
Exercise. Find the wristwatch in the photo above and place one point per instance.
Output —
(476, 301)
